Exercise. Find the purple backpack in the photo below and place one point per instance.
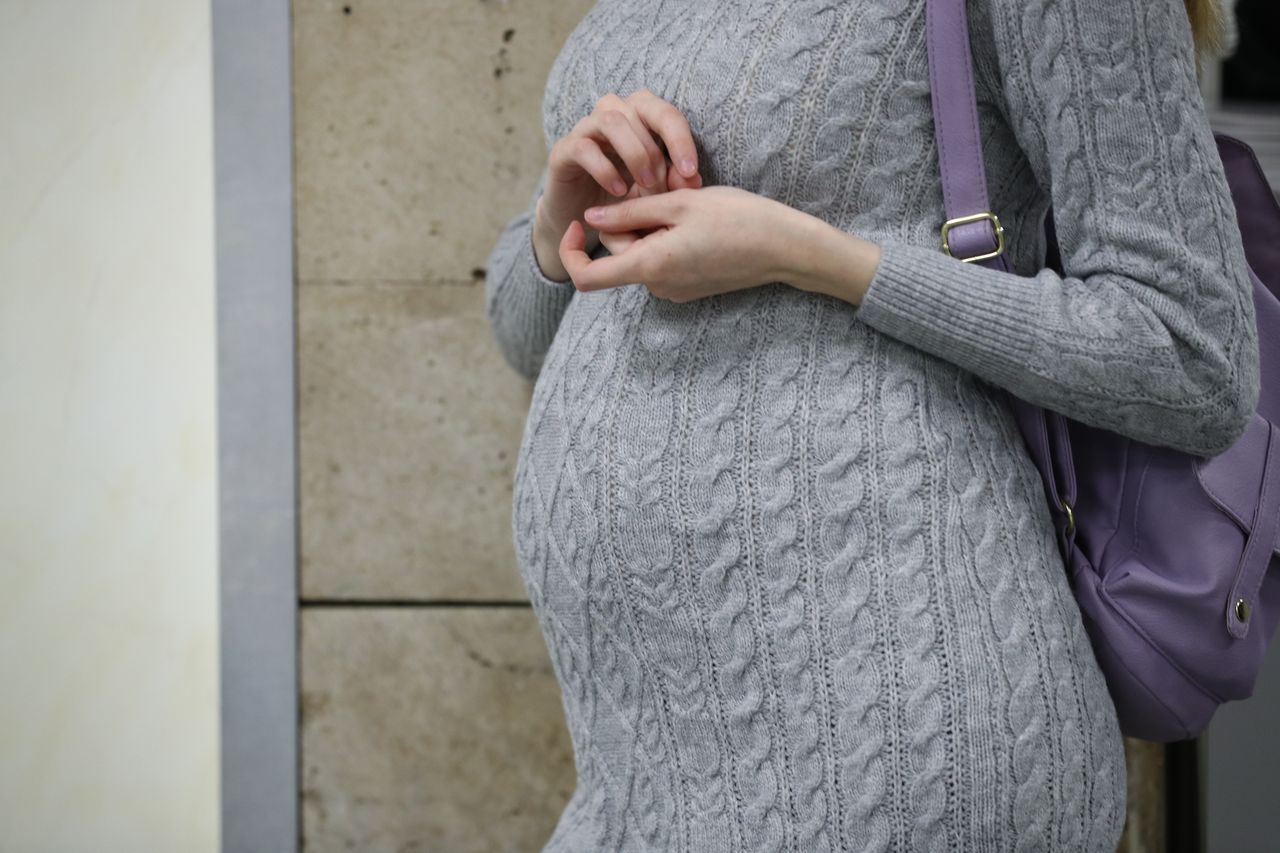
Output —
(1171, 556)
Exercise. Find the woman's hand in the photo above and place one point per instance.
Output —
(617, 241)
(693, 243)
(683, 244)
(614, 153)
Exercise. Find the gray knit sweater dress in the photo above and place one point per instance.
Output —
(794, 568)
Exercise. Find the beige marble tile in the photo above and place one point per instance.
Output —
(1144, 828)
(418, 130)
(430, 729)
(108, 429)
(409, 423)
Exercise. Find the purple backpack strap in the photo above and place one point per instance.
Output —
(972, 228)
(973, 231)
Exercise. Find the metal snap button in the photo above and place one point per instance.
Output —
(1242, 610)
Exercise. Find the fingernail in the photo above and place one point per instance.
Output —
(647, 178)
(619, 188)
(595, 213)
(688, 167)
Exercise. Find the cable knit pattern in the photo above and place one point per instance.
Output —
(794, 568)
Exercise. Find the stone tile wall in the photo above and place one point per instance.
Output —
(431, 718)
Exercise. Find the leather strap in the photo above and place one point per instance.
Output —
(955, 119)
(964, 192)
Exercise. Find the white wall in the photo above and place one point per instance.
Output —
(108, 588)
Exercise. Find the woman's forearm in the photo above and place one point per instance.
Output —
(749, 239)
(821, 258)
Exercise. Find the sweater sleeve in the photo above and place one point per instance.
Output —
(1151, 332)
(523, 305)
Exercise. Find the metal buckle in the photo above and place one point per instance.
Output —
(974, 217)
(1071, 516)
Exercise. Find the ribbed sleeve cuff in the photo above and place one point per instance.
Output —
(979, 318)
(543, 304)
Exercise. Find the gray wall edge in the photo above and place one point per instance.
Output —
(257, 501)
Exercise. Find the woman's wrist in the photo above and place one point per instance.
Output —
(546, 244)
(820, 258)
(546, 249)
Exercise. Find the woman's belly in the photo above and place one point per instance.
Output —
(777, 401)
(792, 571)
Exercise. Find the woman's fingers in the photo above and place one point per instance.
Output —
(616, 128)
(665, 119)
(637, 214)
(583, 150)
(587, 273)
(590, 273)
(573, 249)
(616, 144)
(615, 148)
(677, 181)
(619, 242)
(644, 160)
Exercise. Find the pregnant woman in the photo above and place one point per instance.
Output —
(793, 565)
